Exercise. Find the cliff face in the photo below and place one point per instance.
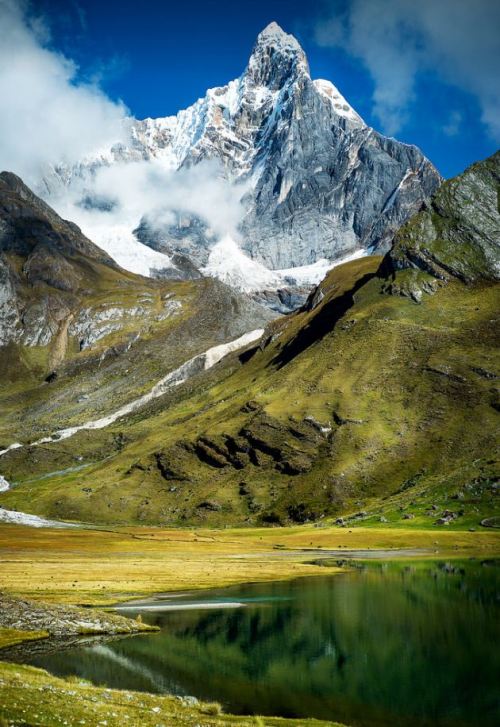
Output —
(457, 234)
(45, 264)
(319, 183)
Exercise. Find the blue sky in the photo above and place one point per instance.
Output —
(159, 57)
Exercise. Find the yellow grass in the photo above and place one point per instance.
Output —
(11, 637)
(101, 567)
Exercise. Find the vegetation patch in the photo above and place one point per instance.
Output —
(30, 696)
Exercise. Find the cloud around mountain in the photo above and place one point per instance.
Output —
(50, 117)
(291, 147)
(125, 194)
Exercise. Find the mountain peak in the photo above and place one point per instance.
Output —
(276, 57)
(274, 34)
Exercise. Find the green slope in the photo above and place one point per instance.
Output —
(100, 334)
(364, 402)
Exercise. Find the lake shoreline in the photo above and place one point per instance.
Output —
(96, 567)
(60, 660)
(100, 569)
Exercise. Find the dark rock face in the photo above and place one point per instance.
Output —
(182, 269)
(45, 262)
(187, 241)
(167, 469)
(283, 300)
(457, 234)
(26, 223)
(51, 267)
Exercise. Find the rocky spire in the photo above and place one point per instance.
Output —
(276, 58)
(322, 184)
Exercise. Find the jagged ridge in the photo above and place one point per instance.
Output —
(322, 183)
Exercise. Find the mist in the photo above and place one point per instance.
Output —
(122, 195)
(52, 120)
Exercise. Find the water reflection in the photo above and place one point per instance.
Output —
(385, 645)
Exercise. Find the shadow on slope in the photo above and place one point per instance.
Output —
(321, 324)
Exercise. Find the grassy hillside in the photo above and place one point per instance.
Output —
(376, 402)
(30, 696)
(407, 390)
(159, 325)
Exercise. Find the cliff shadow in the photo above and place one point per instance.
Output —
(321, 324)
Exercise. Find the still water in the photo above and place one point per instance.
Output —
(386, 645)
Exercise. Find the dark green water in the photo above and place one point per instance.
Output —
(387, 645)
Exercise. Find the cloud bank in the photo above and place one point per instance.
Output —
(130, 191)
(52, 119)
(48, 116)
(456, 40)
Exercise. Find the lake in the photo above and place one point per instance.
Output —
(394, 643)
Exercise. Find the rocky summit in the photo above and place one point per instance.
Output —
(316, 182)
(457, 234)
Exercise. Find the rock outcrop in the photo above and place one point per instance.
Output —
(456, 234)
(25, 615)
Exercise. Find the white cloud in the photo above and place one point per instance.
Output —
(457, 40)
(50, 118)
(47, 115)
(454, 123)
(147, 189)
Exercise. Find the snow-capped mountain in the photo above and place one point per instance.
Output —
(316, 183)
